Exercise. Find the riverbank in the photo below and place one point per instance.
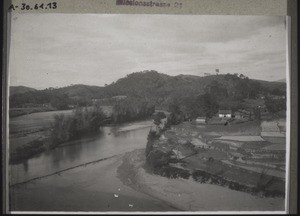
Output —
(188, 195)
(121, 183)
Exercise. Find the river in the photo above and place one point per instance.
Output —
(94, 187)
(113, 140)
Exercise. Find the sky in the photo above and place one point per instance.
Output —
(56, 50)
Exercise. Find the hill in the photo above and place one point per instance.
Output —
(20, 89)
(272, 85)
(81, 91)
(159, 89)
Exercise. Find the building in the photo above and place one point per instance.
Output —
(225, 113)
(201, 120)
(119, 97)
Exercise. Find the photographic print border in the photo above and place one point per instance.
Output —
(207, 7)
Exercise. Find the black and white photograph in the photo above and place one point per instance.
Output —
(148, 113)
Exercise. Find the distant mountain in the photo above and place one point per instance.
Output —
(20, 89)
(272, 85)
(158, 88)
(81, 91)
(154, 84)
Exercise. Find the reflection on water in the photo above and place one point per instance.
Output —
(109, 142)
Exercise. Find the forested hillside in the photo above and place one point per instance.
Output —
(159, 89)
(59, 98)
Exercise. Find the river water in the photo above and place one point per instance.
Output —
(92, 187)
(113, 140)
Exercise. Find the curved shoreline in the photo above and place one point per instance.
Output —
(126, 176)
(188, 195)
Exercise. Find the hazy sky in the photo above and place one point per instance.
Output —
(49, 50)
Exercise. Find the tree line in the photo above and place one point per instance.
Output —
(131, 109)
(81, 122)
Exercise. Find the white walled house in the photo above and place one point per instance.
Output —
(225, 113)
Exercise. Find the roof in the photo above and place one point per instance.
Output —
(224, 111)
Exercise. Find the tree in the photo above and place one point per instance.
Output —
(158, 117)
(256, 112)
(59, 101)
(275, 105)
(217, 90)
(176, 115)
(277, 91)
(242, 76)
(204, 105)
